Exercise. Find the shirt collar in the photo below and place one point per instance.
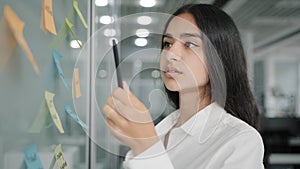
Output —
(206, 120)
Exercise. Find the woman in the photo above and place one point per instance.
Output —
(204, 71)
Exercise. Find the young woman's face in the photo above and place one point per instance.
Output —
(182, 60)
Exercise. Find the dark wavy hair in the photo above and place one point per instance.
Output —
(223, 36)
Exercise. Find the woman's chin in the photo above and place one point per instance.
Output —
(172, 87)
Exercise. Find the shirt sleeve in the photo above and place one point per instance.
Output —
(154, 157)
(245, 151)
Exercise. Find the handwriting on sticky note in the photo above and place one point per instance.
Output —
(31, 157)
(48, 23)
(49, 100)
(76, 83)
(59, 158)
(57, 57)
(17, 25)
(75, 117)
(75, 5)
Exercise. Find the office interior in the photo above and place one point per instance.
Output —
(270, 31)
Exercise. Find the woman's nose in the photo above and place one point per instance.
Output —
(175, 52)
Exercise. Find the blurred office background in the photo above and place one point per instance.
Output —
(270, 31)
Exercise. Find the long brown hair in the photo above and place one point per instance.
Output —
(224, 36)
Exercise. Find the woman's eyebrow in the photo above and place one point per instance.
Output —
(184, 35)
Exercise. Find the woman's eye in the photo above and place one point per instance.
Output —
(190, 44)
(167, 44)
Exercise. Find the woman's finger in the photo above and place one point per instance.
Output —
(137, 113)
(114, 116)
(118, 106)
(127, 98)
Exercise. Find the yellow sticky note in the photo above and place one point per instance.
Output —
(48, 23)
(75, 5)
(59, 158)
(16, 25)
(7, 43)
(76, 83)
(49, 100)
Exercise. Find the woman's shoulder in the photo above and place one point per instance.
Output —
(228, 122)
(237, 128)
(237, 143)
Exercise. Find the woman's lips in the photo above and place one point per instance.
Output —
(172, 72)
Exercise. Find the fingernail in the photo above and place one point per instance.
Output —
(125, 86)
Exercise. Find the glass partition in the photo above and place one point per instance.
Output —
(34, 120)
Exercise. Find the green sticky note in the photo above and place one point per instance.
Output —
(75, 5)
(41, 119)
(59, 158)
(63, 32)
(70, 25)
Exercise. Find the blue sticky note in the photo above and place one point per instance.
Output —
(32, 159)
(57, 57)
(75, 117)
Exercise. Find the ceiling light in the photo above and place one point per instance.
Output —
(144, 20)
(142, 33)
(106, 19)
(147, 3)
(141, 42)
(75, 44)
(109, 32)
(101, 2)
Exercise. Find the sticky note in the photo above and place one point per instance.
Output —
(42, 119)
(49, 100)
(76, 83)
(47, 21)
(17, 25)
(75, 117)
(62, 33)
(57, 57)
(7, 43)
(75, 5)
(31, 157)
(59, 158)
(70, 25)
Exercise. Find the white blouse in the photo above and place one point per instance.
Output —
(211, 139)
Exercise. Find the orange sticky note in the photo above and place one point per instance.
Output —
(16, 26)
(76, 83)
(47, 20)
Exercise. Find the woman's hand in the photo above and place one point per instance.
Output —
(129, 120)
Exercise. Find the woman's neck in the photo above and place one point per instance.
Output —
(192, 101)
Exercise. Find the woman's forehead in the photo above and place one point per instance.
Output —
(182, 24)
